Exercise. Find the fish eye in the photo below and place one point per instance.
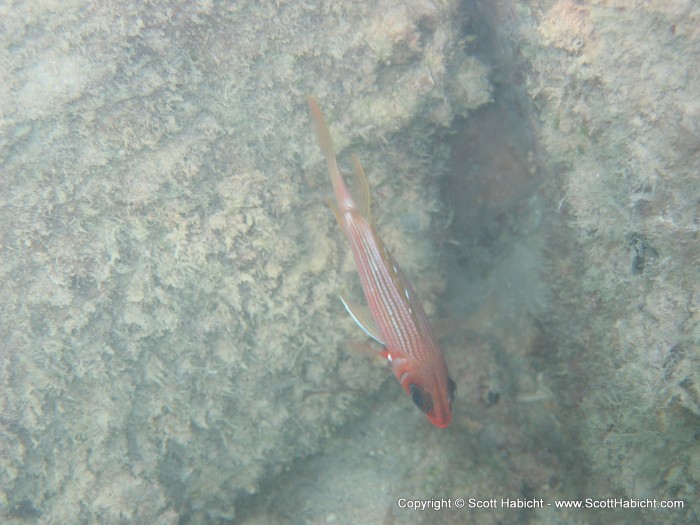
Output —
(451, 389)
(421, 398)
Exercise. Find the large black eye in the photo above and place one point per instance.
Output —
(421, 398)
(451, 389)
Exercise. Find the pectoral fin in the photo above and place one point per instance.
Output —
(363, 317)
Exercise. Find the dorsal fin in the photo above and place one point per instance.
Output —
(360, 189)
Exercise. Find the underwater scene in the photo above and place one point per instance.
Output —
(350, 262)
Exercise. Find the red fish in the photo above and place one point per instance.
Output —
(395, 317)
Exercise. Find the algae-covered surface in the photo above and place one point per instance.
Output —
(172, 349)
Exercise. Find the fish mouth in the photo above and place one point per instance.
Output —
(440, 424)
(441, 421)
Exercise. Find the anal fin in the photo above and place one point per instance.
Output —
(336, 211)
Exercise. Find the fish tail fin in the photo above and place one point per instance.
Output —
(325, 142)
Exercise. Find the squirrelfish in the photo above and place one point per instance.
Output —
(395, 317)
